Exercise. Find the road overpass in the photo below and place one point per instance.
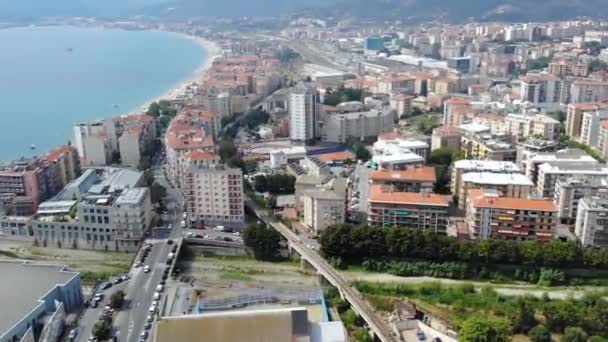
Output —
(377, 325)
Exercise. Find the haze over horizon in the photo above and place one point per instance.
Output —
(410, 10)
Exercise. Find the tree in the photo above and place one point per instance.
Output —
(522, 318)
(154, 110)
(596, 318)
(482, 329)
(157, 192)
(117, 299)
(539, 333)
(560, 314)
(265, 242)
(574, 334)
(101, 330)
(227, 149)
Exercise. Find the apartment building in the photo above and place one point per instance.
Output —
(421, 179)
(446, 137)
(96, 141)
(456, 111)
(304, 107)
(393, 143)
(509, 184)
(462, 167)
(549, 174)
(489, 215)
(524, 126)
(569, 191)
(213, 192)
(494, 146)
(588, 90)
(359, 125)
(542, 90)
(188, 132)
(65, 166)
(423, 211)
(574, 119)
(136, 134)
(591, 227)
(591, 126)
(529, 161)
(24, 184)
(104, 208)
(324, 206)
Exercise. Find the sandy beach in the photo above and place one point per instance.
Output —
(212, 51)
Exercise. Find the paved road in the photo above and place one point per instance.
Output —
(92, 315)
(131, 319)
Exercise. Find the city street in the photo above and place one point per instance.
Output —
(362, 173)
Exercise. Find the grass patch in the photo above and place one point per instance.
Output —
(234, 275)
(10, 254)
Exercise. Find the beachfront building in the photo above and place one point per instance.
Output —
(136, 134)
(96, 142)
(104, 208)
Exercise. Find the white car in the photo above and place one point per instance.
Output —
(236, 234)
(146, 269)
(156, 296)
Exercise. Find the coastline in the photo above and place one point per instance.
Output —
(212, 50)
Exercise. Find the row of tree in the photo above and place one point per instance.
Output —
(275, 184)
(333, 97)
(358, 243)
(263, 241)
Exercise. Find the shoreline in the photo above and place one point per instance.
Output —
(212, 50)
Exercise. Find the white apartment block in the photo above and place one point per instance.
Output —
(549, 174)
(591, 227)
(95, 142)
(303, 109)
(463, 167)
(514, 185)
(568, 193)
(541, 90)
(590, 127)
(323, 208)
(584, 90)
(214, 194)
(530, 161)
(539, 125)
(361, 125)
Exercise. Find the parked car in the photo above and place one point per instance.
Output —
(147, 269)
(106, 285)
(169, 242)
(420, 335)
(73, 334)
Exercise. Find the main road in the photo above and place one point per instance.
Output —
(379, 327)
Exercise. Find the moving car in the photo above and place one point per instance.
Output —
(147, 269)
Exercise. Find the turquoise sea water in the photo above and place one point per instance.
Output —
(45, 88)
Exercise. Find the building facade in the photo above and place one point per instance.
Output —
(303, 112)
(591, 227)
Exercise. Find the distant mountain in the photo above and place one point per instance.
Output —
(409, 10)
(460, 11)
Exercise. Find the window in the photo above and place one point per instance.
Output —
(86, 218)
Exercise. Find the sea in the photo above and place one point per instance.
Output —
(54, 77)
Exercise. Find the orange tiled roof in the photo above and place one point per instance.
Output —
(420, 174)
(457, 101)
(377, 194)
(590, 105)
(512, 203)
(200, 155)
(342, 155)
(54, 154)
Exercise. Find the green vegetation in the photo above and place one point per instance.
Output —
(574, 334)
(102, 330)
(286, 55)
(462, 306)
(360, 150)
(588, 149)
(229, 153)
(264, 241)
(9, 254)
(255, 119)
(477, 328)
(351, 321)
(157, 192)
(337, 96)
(355, 244)
(540, 333)
(539, 63)
(275, 184)
(441, 159)
(117, 299)
(425, 124)
(234, 275)
(597, 65)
